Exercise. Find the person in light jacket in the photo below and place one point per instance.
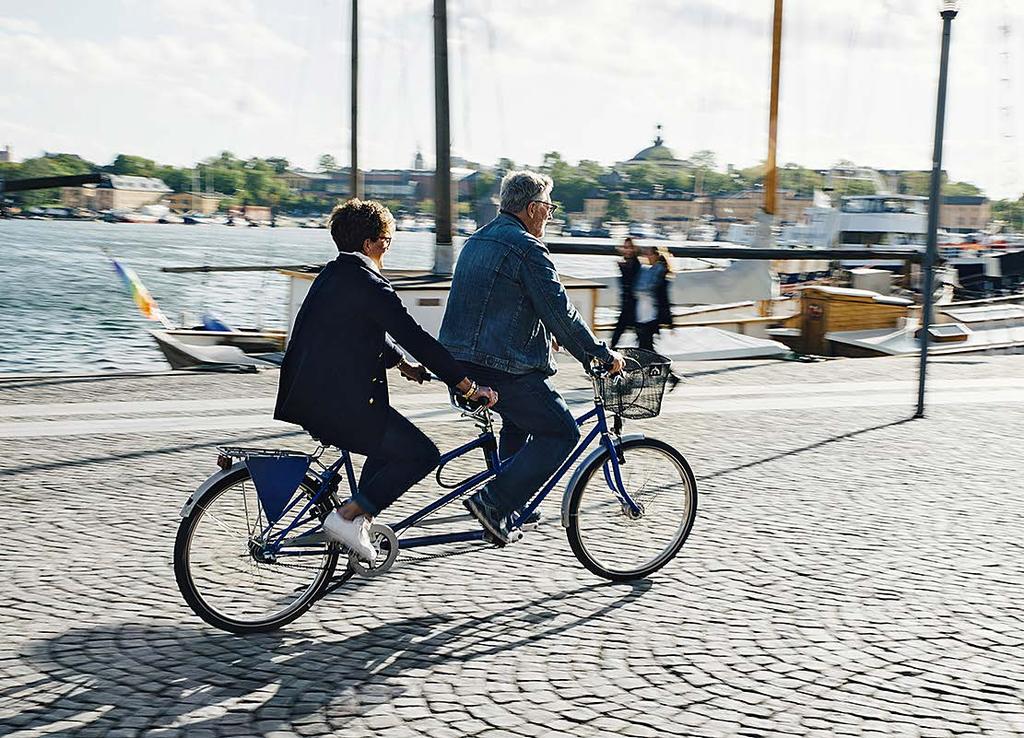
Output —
(651, 287)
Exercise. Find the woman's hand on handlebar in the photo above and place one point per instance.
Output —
(485, 396)
(414, 372)
(474, 394)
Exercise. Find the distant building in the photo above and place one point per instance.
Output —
(195, 202)
(406, 186)
(675, 206)
(658, 153)
(6, 154)
(116, 192)
(965, 213)
(298, 180)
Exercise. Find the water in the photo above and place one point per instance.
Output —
(63, 309)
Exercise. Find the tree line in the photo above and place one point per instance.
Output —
(256, 181)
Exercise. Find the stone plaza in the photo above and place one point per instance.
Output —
(851, 572)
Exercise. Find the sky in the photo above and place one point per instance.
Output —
(181, 80)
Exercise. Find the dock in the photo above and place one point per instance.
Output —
(851, 571)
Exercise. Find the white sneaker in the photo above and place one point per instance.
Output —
(355, 534)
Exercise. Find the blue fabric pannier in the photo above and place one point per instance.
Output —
(276, 478)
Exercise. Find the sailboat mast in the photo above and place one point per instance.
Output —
(354, 124)
(443, 253)
(771, 174)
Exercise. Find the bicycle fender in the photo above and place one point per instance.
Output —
(579, 472)
(194, 498)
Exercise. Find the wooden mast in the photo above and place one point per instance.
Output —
(771, 174)
(443, 251)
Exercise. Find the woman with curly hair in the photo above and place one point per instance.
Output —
(333, 380)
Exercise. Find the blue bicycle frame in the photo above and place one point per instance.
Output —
(330, 478)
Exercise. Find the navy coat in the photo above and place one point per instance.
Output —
(333, 381)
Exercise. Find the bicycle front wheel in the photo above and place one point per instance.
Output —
(224, 572)
(609, 538)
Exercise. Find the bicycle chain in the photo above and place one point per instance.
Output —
(420, 558)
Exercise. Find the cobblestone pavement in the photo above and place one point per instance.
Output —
(850, 573)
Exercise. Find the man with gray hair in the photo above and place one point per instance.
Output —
(505, 307)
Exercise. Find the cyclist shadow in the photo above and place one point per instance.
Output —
(125, 672)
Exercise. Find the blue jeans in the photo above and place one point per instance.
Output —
(405, 456)
(536, 428)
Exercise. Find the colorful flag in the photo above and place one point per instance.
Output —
(147, 305)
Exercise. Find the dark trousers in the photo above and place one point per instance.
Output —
(645, 333)
(536, 428)
(405, 457)
(624, 322)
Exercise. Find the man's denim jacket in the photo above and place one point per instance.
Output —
(506, 302)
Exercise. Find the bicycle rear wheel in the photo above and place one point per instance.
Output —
(223, 573)
(611, 542)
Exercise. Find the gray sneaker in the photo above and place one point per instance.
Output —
(493, 522)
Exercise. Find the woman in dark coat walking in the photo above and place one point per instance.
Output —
(629, 267)
(333, 380)
(653, 307)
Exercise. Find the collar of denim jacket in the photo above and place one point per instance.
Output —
(516, 218)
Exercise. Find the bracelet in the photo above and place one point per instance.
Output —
(471, 391)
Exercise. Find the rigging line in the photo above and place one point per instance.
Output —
(1006, 111)
(842, 112)
(499, 99)
(462, 50)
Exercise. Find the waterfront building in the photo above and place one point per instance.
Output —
(685, 206)
(195, 202)
(410, 187)
(116, 192)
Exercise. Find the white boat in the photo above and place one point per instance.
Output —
(983, 326)
(201, 348)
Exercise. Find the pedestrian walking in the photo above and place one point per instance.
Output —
(629, 267)
(653, 307)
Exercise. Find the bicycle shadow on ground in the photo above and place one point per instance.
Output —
(171, 676)
(802, 449)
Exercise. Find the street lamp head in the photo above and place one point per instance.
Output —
(949, 6)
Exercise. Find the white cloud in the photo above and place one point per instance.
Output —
(18, 25)
(590, 78)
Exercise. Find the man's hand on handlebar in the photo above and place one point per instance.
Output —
(614, 364)
(618, 362)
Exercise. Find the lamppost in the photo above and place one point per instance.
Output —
(948, 11)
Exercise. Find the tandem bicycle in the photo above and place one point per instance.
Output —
(250, 553)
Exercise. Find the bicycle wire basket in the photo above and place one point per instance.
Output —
(637, 391)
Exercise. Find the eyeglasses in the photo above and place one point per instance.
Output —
(386, 239)
(551, 206)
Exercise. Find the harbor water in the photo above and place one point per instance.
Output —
(63, 308)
